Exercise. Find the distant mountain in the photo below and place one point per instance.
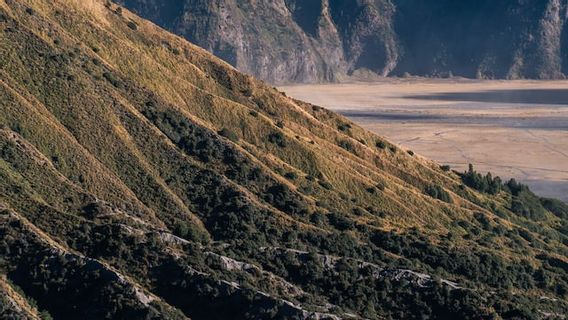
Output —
(325, 40)
(143, 178)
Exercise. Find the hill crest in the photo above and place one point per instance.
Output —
(125, 150)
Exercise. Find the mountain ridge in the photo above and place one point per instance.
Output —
(141, 177)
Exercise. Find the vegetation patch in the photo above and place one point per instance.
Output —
(344, 127)
(278, 139)
(381, 145)
(437, 192)
(132, 25)
(229, 134)
(347, 145)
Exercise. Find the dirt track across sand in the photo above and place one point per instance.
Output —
(512, 128)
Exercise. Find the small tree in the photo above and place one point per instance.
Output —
(132, 25)
(278, 139)
(229, 134)
(291, 176)
(344, 126)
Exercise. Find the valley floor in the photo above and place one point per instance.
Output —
(512, 128)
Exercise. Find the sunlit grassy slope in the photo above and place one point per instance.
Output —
(143, 175)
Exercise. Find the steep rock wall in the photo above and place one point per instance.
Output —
(284, 41)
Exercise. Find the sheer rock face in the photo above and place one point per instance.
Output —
(324, 40)
(483, 39)
(550, 45)
(285, 40)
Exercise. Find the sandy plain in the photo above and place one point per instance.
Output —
(515, 129)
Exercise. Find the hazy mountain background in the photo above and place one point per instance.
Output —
(325, 40)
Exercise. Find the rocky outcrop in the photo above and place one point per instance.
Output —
(326, 40)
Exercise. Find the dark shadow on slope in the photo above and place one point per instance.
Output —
(530, 96)
(564, 50)
(374, 56)
(306, 14)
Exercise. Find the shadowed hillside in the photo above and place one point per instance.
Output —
(142, 178)
(290, 41)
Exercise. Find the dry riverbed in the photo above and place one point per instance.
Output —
(512, 128)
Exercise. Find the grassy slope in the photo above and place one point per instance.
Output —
(108, 120)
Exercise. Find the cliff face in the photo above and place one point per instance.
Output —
(483, 39)
(285, 40)
(325, 40)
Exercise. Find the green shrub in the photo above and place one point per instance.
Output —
(247, 92)
(557, 207)
(278, 139)
(188, 231)
(317, 218)
(486, 184)
(132, 25)
(340, 222)
(381, 144)
(325, 185)
(437, 192)
(344, 127)
(229, 134)
(526, 235)
(347, 146)
(358, 211)
(112, 79)
(445, 168)
(528, 205)
(524, 202)
(291, 176)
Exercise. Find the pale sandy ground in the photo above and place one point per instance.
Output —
(519, 130)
